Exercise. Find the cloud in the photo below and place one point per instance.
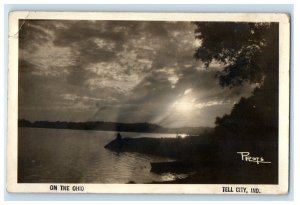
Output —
(32, 33)
(127, 71)
(26, 66)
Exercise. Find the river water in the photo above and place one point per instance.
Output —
(79, 156)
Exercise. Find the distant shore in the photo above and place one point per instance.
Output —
(113, 126)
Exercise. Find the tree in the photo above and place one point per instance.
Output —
(248, 53)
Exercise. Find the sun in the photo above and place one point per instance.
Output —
(183, 106)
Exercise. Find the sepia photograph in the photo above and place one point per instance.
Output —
(133, 101)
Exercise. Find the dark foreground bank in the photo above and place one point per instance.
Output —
(207, 161)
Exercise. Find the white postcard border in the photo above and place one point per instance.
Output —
(284, 95)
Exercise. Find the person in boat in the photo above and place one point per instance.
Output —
(119, 141)
(119, 136)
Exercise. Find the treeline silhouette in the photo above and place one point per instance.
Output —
(113, 126)
(249, 53)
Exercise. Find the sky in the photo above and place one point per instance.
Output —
(118, 71)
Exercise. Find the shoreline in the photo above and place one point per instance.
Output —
(204, 160)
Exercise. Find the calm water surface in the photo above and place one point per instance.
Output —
(79, 156)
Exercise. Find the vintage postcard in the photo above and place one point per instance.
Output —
(183, 103)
